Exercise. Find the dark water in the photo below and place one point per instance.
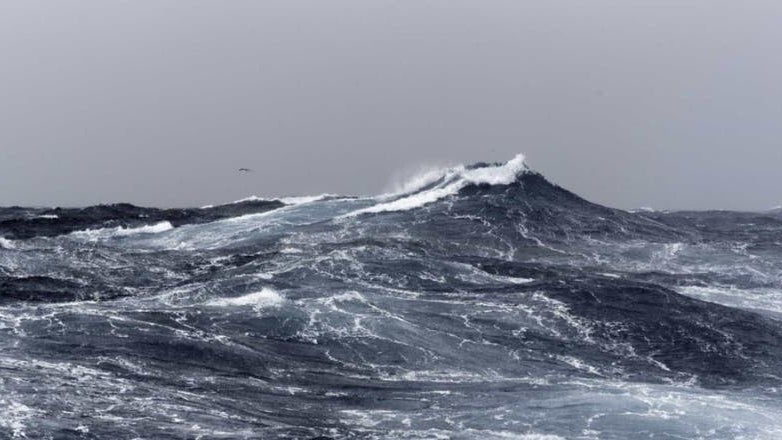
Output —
(482, 302)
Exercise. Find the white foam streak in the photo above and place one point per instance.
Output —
(14, 415)
(764, 300)
(412, 183)
(6, 243)
(147, 229)
(247, 199)
(265, 298)
(119, 231)
(298, 200)
(292, 200)
(414, 201)
(453, 180)
(499, 175)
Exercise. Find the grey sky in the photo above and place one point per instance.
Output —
(672, 104)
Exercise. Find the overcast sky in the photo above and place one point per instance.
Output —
(669, 104)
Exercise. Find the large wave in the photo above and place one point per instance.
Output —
(477, 301)
(436, 185)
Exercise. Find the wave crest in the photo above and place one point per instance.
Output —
(432, 187)
(119, 231)
(6, 243)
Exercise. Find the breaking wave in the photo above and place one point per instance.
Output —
(436, 185)
(6, 243)
(477, 301)
(291, 200)
(120, 231)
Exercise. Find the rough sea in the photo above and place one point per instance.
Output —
(480, 302)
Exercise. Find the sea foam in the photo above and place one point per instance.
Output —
(432, 187)
(265, 298)
(293, 200)
(119, 231)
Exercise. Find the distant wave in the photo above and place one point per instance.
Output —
(119, 231)
(292, 200)
(116, 219)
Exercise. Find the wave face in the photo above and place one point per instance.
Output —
(479, 302)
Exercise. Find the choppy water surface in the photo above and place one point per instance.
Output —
(483, 302)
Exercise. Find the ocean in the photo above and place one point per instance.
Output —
(480, 301)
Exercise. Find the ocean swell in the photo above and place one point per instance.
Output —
(479, 301)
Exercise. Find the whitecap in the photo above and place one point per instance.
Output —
(291, 200)
(300, 200)
(15, 415)
(265, 298)
(763, 300)
(423, 177)
(432, 188)
(119, 231)
(250, 199)
(6, 243)
(147, 229)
